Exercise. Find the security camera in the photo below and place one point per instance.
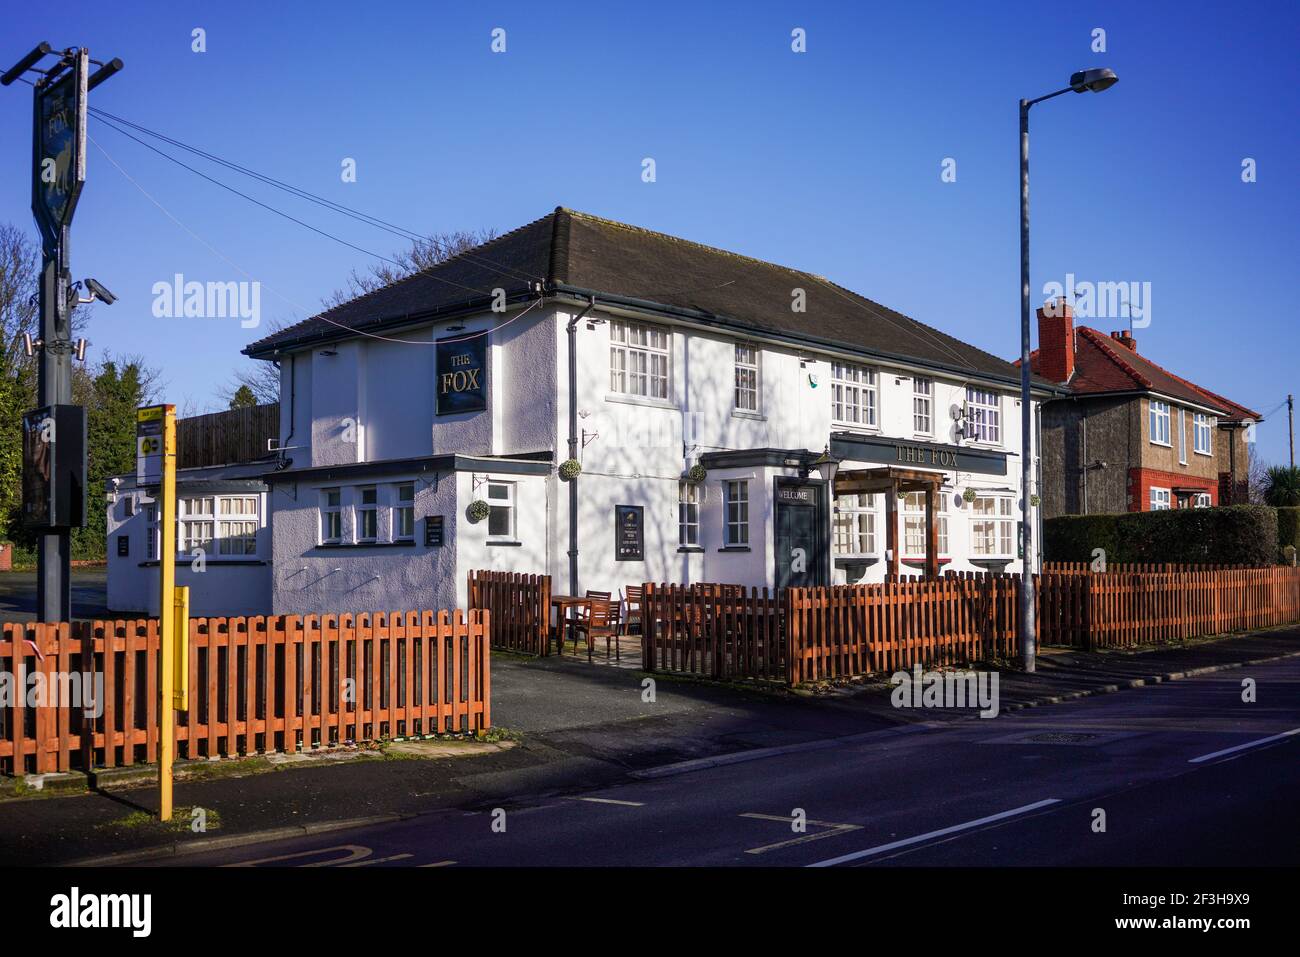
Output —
(98, 291)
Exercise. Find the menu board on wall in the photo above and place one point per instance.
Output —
(629, 533)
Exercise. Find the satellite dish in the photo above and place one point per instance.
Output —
(957, 411)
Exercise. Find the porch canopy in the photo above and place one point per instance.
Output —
(893, 481)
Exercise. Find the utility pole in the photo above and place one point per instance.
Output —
(54, 447)
(1291, 427)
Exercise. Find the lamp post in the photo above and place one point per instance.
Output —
(1094, 81)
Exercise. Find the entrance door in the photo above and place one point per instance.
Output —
(800, 538)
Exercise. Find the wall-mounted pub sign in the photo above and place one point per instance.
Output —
(461, 384)
(629, 533)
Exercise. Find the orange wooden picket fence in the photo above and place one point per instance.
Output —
(520, 607)
(1121, 609)
(721, 631)
(811, 634)
(845, 630)
(280, 683)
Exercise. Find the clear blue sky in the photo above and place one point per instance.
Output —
(827, 161)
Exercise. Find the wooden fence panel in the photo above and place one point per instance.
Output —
(256, 685)
(520, 607)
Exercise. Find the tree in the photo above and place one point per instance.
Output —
(117, 389)
(243, 398)
(262, 378)
(1283, 486)
(422, 254)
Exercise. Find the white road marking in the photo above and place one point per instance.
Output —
(832, 830)
(1243, 747)
(881, 849)
(438, 864)
(378, 860)
(612, 801)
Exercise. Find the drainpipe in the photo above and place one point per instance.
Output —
(573, 442)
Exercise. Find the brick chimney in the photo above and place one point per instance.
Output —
(1056, 340)
(1125, 339)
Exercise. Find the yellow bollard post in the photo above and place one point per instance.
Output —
(166, 614)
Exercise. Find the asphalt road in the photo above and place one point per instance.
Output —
(1186, 773)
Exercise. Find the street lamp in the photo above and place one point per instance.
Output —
(1084, 81)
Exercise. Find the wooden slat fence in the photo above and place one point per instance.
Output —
(520, 607)
(282, 683)
(1133, 568)
(720, 631)
(813, 634)
(845, 630)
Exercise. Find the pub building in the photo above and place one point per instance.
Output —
(611, 405)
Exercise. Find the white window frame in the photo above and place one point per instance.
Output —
(923, 405)
(688, 514)
(1158, 422)
(913, 517)
(735, 513)
(327, 511)
(150, 510)
(640, 361)
(1202, 500)
(855, 395)
(983, 415)
(1159, 499)
(196, 524)
(508, 504)
(363, 510)
(403, 513)
(1203, 425)
(238, 520)
(745, 398)
(993, 535)
(1182, 436)
(854, 528)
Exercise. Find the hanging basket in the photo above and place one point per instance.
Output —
(696, 474)
(478, 510)
(1034, 500)
(968, 495)
(570, 469)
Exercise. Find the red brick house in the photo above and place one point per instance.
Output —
(1131, 435)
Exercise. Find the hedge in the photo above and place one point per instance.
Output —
(1288, 527)
(1229, 535)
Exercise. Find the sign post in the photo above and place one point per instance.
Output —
(58, 175)
(155, 440)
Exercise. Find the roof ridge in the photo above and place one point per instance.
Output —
(399, 281)
(685, 242)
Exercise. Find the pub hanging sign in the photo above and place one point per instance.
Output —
(461, 384)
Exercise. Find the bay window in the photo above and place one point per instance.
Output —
(855, 524)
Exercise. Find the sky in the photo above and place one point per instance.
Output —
(830, 160)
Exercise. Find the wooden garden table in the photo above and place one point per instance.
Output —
(563, 606)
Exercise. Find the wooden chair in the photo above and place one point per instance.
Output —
(595, 624)
(583, 611)
(634, 598)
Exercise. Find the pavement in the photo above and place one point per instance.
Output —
(89, 594)
(581, 731)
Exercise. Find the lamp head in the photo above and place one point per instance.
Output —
(1093, 80)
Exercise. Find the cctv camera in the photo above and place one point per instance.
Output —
(97, 291)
